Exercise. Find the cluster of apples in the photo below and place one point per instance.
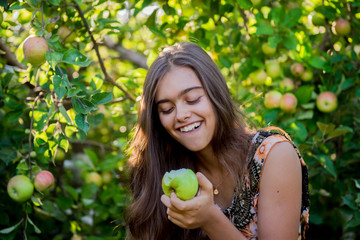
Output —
(97, 178)
(20, 188)
(326, 101)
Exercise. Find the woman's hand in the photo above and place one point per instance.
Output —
(192, 213)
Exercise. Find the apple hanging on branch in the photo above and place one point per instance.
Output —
(297, 69)
(272, 99)
(20, 188)
(326, 102)
(44, 180)
(342, 27)
(182, 181)
(35, 49)
(288, 103)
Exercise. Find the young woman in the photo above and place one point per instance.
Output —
(252, 185)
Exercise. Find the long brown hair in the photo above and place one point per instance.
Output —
(153, 151)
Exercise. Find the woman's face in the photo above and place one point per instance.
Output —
(185, 110)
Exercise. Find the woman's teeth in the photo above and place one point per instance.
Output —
(190, 127)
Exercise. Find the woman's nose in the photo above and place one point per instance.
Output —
(182, 114)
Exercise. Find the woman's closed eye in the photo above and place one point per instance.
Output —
(194, 101)
(169, 110)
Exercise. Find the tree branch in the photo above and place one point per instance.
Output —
(96, 47)
(9, 56)
(126, 54)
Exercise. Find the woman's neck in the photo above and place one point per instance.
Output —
(208, 162)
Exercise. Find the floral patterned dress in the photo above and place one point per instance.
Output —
(243, 211)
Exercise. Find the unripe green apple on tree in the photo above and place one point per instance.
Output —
(318, 19)
(273, 68)
(287, 84)
(20, 188)
(258, 77)
(288, 103)
(35, 49)
(272, 99)
(326, 102)
(307, 75)
(94, 177)
(182, 181)
(64, 33)
(267, 49)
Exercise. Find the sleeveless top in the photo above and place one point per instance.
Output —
(243, 210)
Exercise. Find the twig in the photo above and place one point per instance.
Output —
(96, 47)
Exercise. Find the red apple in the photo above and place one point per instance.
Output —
(273, 68)
(44, 180)
(342, 27)
(35, 49)
(258, 77)
(287, 84)
(267, 49)
(307, 75)
(94, 177)
(326, 102)
(272, 99)
(288, 103)
(297, 69)
(20, 188)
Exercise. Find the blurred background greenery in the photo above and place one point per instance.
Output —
(74, 114)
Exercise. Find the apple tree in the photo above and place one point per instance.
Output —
(71, 77)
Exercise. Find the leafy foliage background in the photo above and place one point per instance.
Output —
(77, 111)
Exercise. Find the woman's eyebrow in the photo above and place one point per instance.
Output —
(179, 95)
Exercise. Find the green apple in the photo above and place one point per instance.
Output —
(307, 75)
(273, 68)
(272, 99)
(287, 84)
(326, 102)
(182, 181)
(35, 49)
(65, 33)
(288, 103)
(318, 19)
(20, 188)
(94, 177)
(106, 177)
(258, 77)
(44, 180)
(256, 3)
(267, 49)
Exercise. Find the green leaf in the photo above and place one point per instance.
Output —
(290, 42)
(357, 183)
(73, 56)
(55, 2)
(88, 191)
(53, 58)
(81, 122)
(339, 131)
(7, 155)
(292, 17)
(264, 28)
(102, 98)
(316, 62)
(299, 131)
(82, 106)
(18, 6)
(304, 93)
(72, 192)
(278, 15)
(157, 32)
(326, 162)
(95, 120)
(10, 229)
(65, 115)
(37, 230)
(245, 4)
(225, 61)
(349, 200)
(60, 85)
(325, 128)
